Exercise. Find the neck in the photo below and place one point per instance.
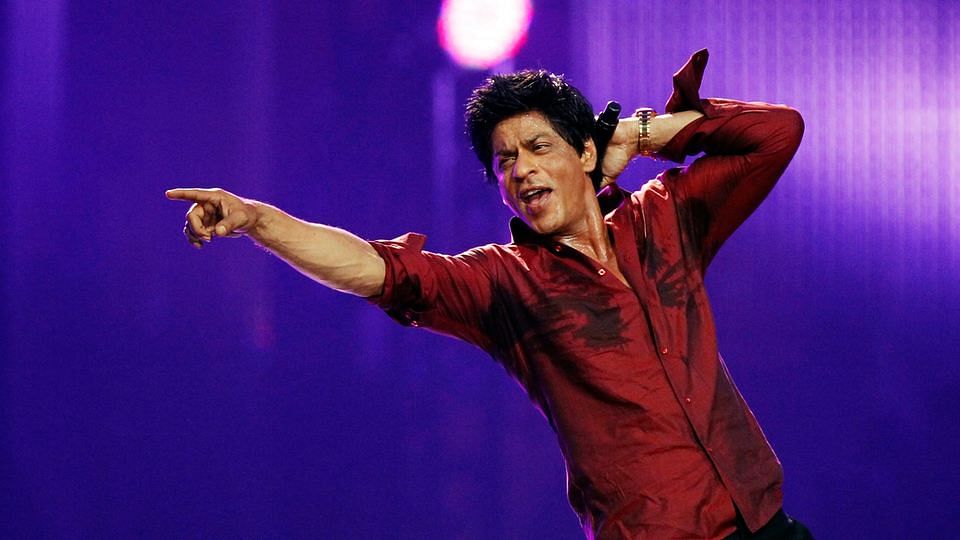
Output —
(590, 237)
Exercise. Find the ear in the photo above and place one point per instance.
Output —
(589, 156)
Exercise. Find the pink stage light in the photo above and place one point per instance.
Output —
(479, 34)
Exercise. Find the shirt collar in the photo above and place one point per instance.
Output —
(610, 198)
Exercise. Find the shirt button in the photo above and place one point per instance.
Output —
(664, 350)
(710, 450)
(557, 248)
(414, 324)
(601, 271)
(688, 400)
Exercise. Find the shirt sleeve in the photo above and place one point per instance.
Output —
(448, 294)
(748, 145)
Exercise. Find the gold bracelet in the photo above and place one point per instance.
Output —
(644, 114)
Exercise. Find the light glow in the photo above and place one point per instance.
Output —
(479, 34)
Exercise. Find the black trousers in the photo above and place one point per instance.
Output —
(780, 527)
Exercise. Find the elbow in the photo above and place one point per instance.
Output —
(370, 282)
(791, 128)
(783, 131)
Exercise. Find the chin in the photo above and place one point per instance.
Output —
(545, 223)
(543, 227)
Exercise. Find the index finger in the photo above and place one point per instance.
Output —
(192, 194)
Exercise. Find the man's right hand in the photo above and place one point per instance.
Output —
(214, 212)
(334, 257)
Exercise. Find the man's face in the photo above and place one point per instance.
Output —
(541, 177)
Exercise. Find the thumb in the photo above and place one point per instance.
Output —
(235, 221)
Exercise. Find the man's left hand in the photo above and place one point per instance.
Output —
(621, 149)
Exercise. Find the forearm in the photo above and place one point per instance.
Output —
(738, 128)
(730, 128)
(664, 127)
(331, 256)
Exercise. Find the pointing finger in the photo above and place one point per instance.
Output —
(193, 194)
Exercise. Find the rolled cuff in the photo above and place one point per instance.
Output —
(399, 297)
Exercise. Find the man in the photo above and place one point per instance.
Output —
(598, 306)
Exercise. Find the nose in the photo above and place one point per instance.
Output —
(523, 165)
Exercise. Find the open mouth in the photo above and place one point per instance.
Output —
(535, 196)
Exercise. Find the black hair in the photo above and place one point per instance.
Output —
(506, 95)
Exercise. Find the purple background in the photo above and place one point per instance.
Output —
(150, 390)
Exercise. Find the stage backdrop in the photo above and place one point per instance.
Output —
(151, 390)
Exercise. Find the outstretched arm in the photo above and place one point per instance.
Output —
(328, 255)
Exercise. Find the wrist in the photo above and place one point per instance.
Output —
(644, 116)
(263, 215)
(631, 125)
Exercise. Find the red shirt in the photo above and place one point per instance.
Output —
(657, 440)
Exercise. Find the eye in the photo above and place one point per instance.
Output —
(540, 146)
(504, 161)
